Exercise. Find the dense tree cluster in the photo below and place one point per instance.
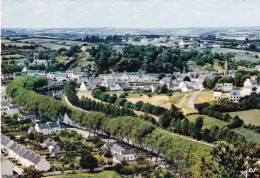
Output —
(22, 91)
(9, 68)
(92, 105)
(150, 59)
(140, 106)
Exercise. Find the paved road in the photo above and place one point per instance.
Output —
(192, 100)
(68, 102)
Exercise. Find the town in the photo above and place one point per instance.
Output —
(130, 89)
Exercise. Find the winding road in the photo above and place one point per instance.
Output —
(191, 101)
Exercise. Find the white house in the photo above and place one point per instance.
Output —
(217, 95)
(234, 95)
(48, 128)
(154, 87)
(6, 167)
(83, 87)
(31, 117)
(121, 154)
(51, 145)
(24, 156)
(39, 62)
(227, 86)
(250, 83)
(36, 73)
(166, 81)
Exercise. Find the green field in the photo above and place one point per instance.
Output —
(250, 135)
(70, 43)
(208, 121)
(38, 40)
(54, 46)
(227, 50)
(249, 117)
(104, 174)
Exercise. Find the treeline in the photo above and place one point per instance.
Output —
(179, 152)
(216, 108)
(8, 68)
(149, 58)
(91, 105)
(139, 106)
(22, 92)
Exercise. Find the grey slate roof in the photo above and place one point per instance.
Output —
(17, 149)
(12, 147)
(7, 140)
(31, 156)
(26, 154)
(36, 160)
(43, 126)
(22, 151)
(54, 125)
(5, 103)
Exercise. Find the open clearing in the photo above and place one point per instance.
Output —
(204, 96)
(251, 116)
(181, 100)
(250, 135)
(208, 121)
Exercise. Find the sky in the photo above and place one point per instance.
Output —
(129, 13)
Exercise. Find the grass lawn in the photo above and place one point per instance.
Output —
(104, 174)
(250, 135)
(54, 46)
(251, 116)
(181, 100)
(204, 96)
(208, 121)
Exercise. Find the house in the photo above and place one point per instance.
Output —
(36, 73)
(250, 83)
(115, 87)
(234, 95)
(32, 130)
(166, 81)
(52, 146)
(5, 106)
(58, 76)
(154, 87)
(24, 156)
(83, 87)
(39, 62)
(42, 128)
(54, 127)
(227, 87)
(246, 92)
(121, 154)
(29, 117)
(7, 168)
(48, 128)
(217, 95)
(119, 49)
(224, 86)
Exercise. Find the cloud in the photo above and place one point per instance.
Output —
(129, 13)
